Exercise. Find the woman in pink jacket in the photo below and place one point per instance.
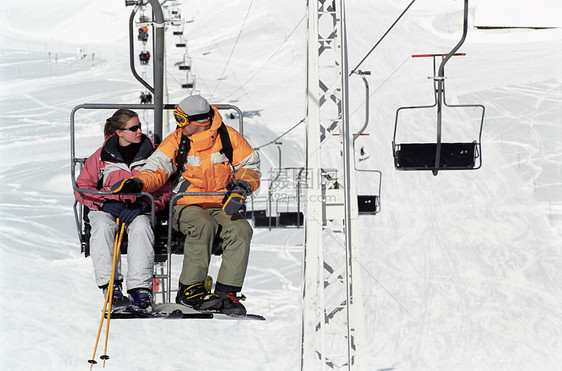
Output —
(122, 155)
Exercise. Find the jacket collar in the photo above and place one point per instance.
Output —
(109, 152)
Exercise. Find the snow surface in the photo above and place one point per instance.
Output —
(461, 271)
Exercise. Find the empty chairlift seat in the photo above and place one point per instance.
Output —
(368, 204)
(265, 221)
(291, 218)
(421, 156)
(251, 214)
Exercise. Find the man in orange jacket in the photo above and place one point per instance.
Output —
(201, 218)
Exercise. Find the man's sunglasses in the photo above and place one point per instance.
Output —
(133, 128)
(183, 119)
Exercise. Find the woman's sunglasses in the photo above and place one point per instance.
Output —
(133, 128)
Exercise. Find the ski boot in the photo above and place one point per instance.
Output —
(141, 298)
(197, 297)
(230, 302)
(119, 301)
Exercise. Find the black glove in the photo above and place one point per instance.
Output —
(236, 197)
(113, 207)
(129, 213)
(127, 185)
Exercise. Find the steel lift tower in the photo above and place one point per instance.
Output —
(333, 317)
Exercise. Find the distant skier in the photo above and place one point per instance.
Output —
(144, 57)
(145, 98)
(143, 34)
(201, 150)
(363, 155)
(125, 150)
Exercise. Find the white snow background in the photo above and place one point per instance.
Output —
(462, 271)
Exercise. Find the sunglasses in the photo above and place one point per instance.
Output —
(133, 128)
(183, 119)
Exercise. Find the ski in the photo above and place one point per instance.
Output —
(177, 311)
(133, 313)
(173, 307)
(248, 316)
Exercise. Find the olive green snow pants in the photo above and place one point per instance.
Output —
(200, 226)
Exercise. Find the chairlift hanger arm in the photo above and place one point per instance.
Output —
(441, 87)
(132, 51)
(362, 74)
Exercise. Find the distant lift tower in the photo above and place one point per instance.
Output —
(333, 317)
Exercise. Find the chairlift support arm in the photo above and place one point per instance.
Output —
(441, 87)
(157, 60)
(362, 74)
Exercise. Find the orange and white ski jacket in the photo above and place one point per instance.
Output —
(206, 168)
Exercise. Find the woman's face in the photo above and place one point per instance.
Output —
(126, 136)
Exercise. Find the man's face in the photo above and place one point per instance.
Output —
(191, 129)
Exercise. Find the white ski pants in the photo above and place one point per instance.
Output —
(140, 250)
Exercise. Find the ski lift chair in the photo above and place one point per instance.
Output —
(178, 31)
(367, 204)
(370, 204)
(167, 241)
(291, 218)
(185, 65)
(181, 43)
(187, 83)
(438, 155)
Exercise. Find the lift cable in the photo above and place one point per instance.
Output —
(268, 59)
(280, 136)
(233, 47)
(352, 113)
(383, 36)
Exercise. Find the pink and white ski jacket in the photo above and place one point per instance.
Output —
(106, 166)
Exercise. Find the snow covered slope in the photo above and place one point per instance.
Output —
(461, 271)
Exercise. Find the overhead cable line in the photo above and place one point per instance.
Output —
(383, 36)
(352, 72)
(268, 59)
(352, 113)
(233, 47)
(282, 135)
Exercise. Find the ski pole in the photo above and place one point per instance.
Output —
(116, 250)
(108, 295)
